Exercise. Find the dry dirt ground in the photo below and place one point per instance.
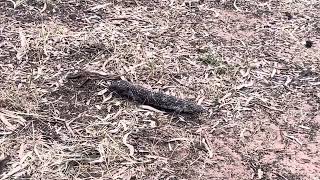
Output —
(254, 66)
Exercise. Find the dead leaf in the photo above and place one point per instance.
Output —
(6, 122)
(129, 146)
(245, 85)
(23, 46)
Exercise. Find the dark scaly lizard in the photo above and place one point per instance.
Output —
(156, 99)
(144, 96)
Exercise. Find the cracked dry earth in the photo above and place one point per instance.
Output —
(254, 65)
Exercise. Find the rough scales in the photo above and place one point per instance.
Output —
(155, 99)
(142, 95)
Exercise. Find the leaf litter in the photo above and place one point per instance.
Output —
(246, 62)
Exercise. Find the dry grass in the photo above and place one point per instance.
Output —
(244, 61)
